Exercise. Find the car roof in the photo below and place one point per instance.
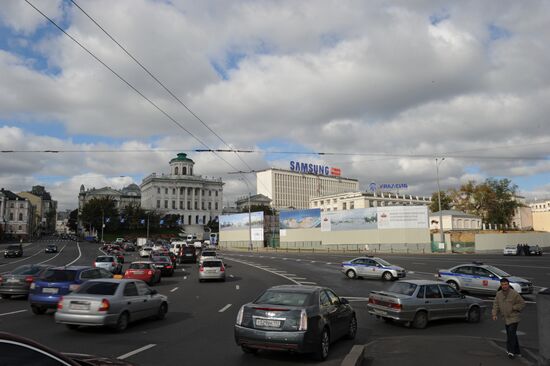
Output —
(212, 259)
(296, 288)
(74, 268)
(422, 282)
(143, 262)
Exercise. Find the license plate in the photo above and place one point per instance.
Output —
(49, 290)
(268, 323)
(79, 307)
(189, 255)
(380, 312)
(137, 272)
(12, 280)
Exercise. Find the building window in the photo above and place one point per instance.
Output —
(158, 203)
(322, 203)
(20, 217)
(189, 219)
(184, 171)
(176, 171)
(165, 203)
(158, 190)
(173, 191)
(197, 219)
(188, 205)
(196, 205)
(209, 205)
(209, 193)
(181, 191)
(344, 206)
(20, 227)
(12, 205)
(189, 190)
(173, 205)
(11, 216)
(21, 206)
(216, 206)
(165, 190)
(328, 208)
(216, 193)
(204, 220)
(181, 205)
(202, 204)
(351, 205)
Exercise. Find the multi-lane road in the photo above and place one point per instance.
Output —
(199, 325)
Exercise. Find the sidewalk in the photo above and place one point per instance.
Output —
(442, 350)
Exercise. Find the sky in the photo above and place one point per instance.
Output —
(380, 88)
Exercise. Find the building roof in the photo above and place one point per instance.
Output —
(455, 213)
(10, 195)
(254, 198)
(310, 174)
(182, 157)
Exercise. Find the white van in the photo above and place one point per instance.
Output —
(176, 246)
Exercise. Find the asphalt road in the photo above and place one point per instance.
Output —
(199, 324)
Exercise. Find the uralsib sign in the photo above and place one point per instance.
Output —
(318, 169)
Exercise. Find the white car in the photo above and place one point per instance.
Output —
(145, 252)
(510, 250)
(197, 244)
(207, 254)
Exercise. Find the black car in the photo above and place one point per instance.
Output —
(297, 318)
(13, 250)
(187, 254)
(535, 250)
(15, 350)
(164, 263)
(51, 248)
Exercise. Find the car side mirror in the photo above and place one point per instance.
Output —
(344, 301)
(153, 292)
(462, 296)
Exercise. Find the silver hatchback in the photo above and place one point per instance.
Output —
(212, 269)
(109, 263)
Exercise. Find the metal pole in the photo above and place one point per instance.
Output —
(249, 223)
(102, 223)
(147, 226)
(442, 240)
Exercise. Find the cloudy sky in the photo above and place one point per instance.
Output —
(383, 87)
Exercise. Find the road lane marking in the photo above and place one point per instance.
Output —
(419, 263)
(184, 277)
(329, 263)
(275, 273)
(174, 289)
(129, 354)
(298, 260)
(237, 287)
(307, 283)
(224, 308)
(13, 312)
(312, 261)
(231, 276)
(299, 278)
(79, 255)
(47, 260)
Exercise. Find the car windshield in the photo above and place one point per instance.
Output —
(13, 247)
(383, 262)
(104, 259)
(212, 264)
(403, 288)
(209, 254)
(98, 288)
(272, 297)
(161, 259)
(58, 275)
(139, 266)
(498, 271)
(26, 270)
(148, 249)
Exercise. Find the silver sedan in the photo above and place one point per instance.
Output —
(419, 301)
(110, 302)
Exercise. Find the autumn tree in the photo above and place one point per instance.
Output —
(446, 202)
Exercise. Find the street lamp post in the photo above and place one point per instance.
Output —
(437, 163)
(102, 223)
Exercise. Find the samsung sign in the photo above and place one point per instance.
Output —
(309, 168)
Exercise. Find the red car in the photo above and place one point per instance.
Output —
(143, 270)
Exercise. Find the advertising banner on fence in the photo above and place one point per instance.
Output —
(358, 219)
(300, 219)
(392, 217)
(240, 221)
(403, 217)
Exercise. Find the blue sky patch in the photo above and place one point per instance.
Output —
(439, 17)
(282, 145)
(496, 32)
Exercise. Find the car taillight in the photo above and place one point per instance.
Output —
(104, 305)
(169, 267)
(240, 316)
(201, 269)
(395, 306)
(1, 279)
(93, 264)
(371, 300)
(222, 268)
(149, 272)
(303, 320)
(29, 279)
(73, 287)
(60, 303)
(113, 264)
(126, 273)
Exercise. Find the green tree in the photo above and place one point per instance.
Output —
(132, 214)
(97, 209)
(446, 202)
(72, 222)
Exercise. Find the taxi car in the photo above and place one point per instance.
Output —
(481, 278)
(372, 267)
(420, 301)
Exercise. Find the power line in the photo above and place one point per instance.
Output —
(125, 50)
(178, 124)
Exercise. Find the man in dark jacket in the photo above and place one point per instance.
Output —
(508, 303)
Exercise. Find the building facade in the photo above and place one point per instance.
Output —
(352, 200)
(130, 195)
(540, 211)
(289, 189)
(45, 210)
(194, 198)
(455, 220)
(255, 200)
(16, 216)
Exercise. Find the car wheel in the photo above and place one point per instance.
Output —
(6, 296)
(474, 314)
(163, 309)
(387, 276)
(200, 279)
(351, 274)
(72, 326)
(454, 285)
(38, 310)
(420, 320)
(352, 329)
(250, 350)
(324, 344)
(122, 322)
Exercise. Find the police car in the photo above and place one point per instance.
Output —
(372, 267)
(481, 278)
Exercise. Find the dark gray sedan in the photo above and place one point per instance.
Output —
(304, 319)
(420, 301)
(18, 281)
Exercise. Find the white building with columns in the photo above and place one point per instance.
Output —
(195, 198)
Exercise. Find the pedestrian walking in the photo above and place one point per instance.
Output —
(508, 304)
